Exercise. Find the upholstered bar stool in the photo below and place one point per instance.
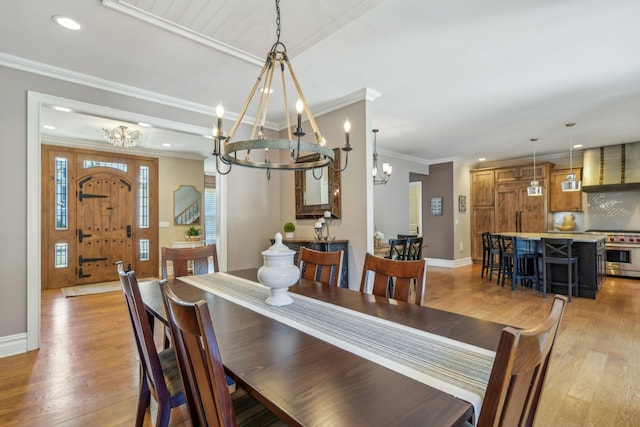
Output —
(558, 252)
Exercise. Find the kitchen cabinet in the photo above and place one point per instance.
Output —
(564, 201)
(517, 211)
(518, 173)
(482, 208)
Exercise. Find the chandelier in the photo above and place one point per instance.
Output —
(386, 167)
(119, 137)
(535, 189)
(571, 183)
(257, 152)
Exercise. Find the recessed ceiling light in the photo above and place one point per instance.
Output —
(166, 144)
(66, 22)
(49, 127)
(264, 90)
(144, 125)
(577, 146)
(481, 159)
(208, 136)
(63, 109)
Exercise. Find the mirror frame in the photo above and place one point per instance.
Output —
(316, 211)
(175, 217)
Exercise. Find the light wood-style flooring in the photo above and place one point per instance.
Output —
(86, 372)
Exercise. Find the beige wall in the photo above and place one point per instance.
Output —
(353, 224)
(462, 220)
(174, 172)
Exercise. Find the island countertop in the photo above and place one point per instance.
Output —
(577, 237)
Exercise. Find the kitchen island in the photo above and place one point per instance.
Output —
(588, 247)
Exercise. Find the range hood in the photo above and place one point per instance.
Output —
(612, 168)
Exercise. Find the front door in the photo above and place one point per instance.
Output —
(104, 225)
(97, 209)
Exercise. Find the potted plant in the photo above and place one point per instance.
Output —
(193, 233)
(289, 228)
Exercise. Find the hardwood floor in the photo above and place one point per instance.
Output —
(86, 372)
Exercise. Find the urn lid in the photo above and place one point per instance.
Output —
(278, 249)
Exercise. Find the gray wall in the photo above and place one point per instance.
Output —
(438, 230)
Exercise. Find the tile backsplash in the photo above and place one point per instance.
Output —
(613, 211)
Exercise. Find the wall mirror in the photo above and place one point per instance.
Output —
(187, 205)
(315, 196)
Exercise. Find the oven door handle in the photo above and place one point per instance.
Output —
(623, 246)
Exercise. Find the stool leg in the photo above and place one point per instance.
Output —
(570, 279)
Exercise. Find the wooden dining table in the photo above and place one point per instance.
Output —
(307, 381)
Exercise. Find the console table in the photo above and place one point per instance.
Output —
(324, 246)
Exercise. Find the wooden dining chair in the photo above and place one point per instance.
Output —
(182, 257)
(519, 371)
(401, 280)
(324, 267)
(159, 372)
(198, 354)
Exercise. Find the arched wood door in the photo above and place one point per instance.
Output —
(104, 220)
(97, 209)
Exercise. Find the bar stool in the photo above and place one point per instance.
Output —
(558, 252)
(485, 252)
(494, 254)
(525, 263)
(506, 259)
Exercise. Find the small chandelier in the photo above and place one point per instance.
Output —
(316, 154)
(119, 137)
(535, 189)
(386, 167)
(571, 183)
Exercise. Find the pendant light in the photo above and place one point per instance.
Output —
(571, 183)
(535, 189)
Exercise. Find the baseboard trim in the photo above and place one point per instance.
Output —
(13, 344)
(449, 263)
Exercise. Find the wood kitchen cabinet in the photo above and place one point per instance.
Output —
(482, 208)
(564, 201)
(517, 211)
(499, 202)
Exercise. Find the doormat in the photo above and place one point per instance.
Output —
(96, 288)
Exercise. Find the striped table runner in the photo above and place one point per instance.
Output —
(453, 367)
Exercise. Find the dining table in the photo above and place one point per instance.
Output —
(314, 379)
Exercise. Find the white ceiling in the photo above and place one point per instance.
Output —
(459, 79)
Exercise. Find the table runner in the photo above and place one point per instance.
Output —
(453, 367)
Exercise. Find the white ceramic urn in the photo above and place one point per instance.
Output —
(278, 272)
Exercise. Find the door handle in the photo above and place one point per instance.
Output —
(128, 230)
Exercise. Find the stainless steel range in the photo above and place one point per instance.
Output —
(623, 252)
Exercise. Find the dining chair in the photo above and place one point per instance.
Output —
(395, 279)
(324, 267)
(159, 371)
(414, 248)
(185, 258)
(198, 353)
(397, 249)
(519, 370)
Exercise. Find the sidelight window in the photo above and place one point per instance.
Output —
(143, 199)
(61, 254)
(61, 182)
(144, 250)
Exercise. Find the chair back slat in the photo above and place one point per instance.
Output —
(324, 267)
(519, 371)
(180, 258)
(395, 278)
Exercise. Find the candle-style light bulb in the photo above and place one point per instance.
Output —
(220, 114)
(347, 129)
(299, 108)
